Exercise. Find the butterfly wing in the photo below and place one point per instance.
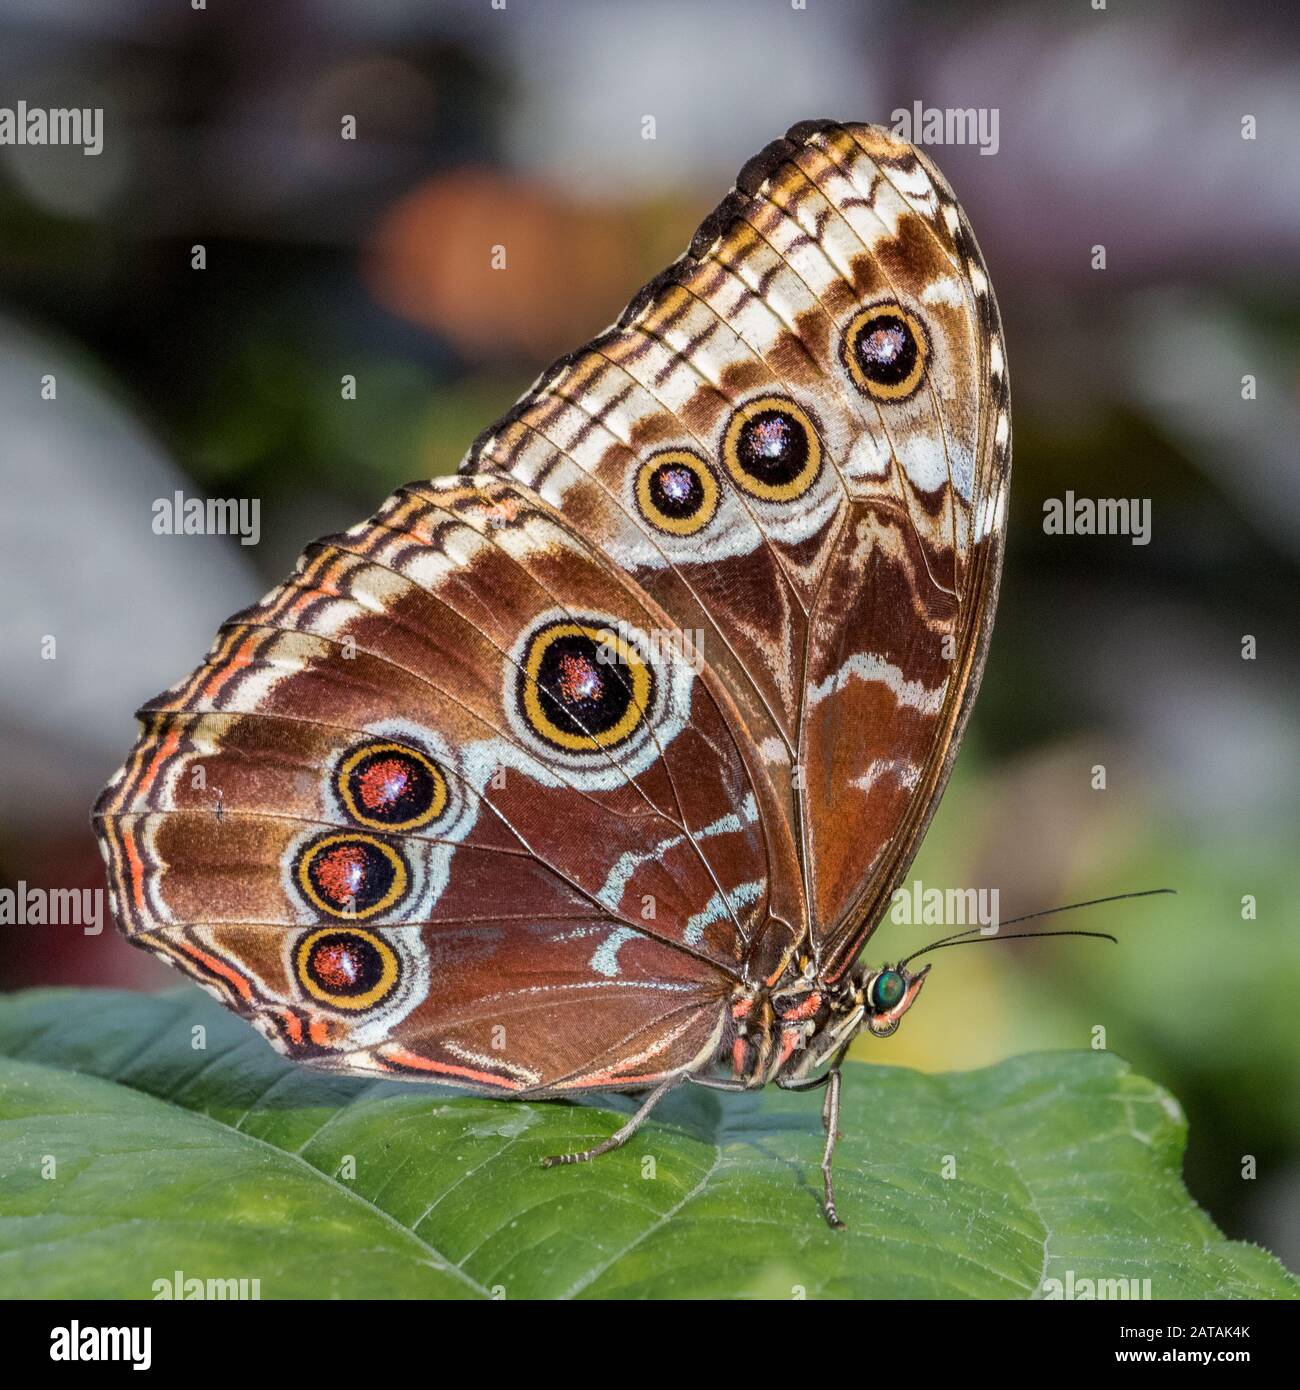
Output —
(907, 601)
(514, 784)
(797, 440)
(442, 783)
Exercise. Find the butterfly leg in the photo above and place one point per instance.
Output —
(713, 1085)
(831, 1122)
(621, 1136)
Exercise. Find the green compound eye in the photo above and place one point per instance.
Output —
(887, 989)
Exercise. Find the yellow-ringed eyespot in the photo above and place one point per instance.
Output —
(388, 786)
(885, 350)
(583, 687)
(772, 449)
(345, 968)
(350, 875)
(676, 492)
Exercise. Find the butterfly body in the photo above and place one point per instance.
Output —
(593, 767)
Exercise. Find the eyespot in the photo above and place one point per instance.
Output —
(350, 875)
(346, 969)
(885, 350)
(583, 687)
(387, 786)
(772, 449)
(887, 990)
(676, 492)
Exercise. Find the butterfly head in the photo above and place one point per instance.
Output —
(886, 995)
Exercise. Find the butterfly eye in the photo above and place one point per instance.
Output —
(355, 876)
(772, 449)
(350, 970)
(885, 350)
(583, 687)
(676, 492)
(887, 990)
(390, 787)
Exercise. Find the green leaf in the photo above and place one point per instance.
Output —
(127, 1154)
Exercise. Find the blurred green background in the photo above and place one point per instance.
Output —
(479, 126)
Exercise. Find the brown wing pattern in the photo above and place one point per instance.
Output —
(848, 618)
(626, 837)
(514, 784)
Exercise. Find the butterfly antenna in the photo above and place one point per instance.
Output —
(972, 936)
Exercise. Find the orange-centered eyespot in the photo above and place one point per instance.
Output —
(351, 875)
(346, 968)
(388, 786)
(583, 687)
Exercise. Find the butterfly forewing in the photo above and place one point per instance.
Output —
(846, 609)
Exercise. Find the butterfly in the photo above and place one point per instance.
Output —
(594, 766)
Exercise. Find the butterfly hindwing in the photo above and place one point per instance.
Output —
(466, 657)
